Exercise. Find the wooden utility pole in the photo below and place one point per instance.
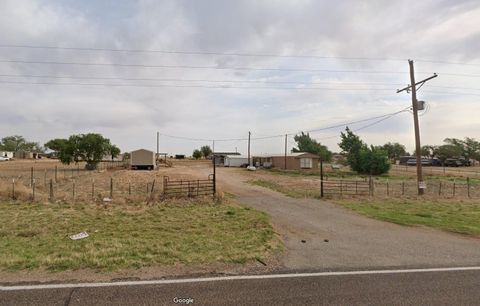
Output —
(249, 134)
(418, 149)
(158, 147)
(286, 139)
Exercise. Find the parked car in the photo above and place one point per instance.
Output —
(4, 158)
(452, 162)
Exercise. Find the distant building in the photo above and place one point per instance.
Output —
(142, 160)
(220, 157)
(6, 154)
(235, 161)
(25, 155)
(294, 161)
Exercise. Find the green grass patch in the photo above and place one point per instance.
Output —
(454, 216)
(36, 235)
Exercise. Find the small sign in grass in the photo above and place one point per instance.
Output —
(37, 235)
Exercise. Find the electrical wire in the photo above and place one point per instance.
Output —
(389, 115)
(198, 67)
(193, 80)
(189, 52)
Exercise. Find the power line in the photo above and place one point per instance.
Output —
(389, 115)
(189, 52)
(198, 67)
(191, 80)
(194, 86)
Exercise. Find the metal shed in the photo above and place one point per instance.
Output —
(235, 160)
(142, 159)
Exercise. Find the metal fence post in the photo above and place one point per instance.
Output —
(13, 189)
(321, 179)
(51, 190)
(468, 187)
(56, 180)
(111, 188)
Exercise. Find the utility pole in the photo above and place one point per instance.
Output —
(286, 151)
(158, 147)
(249, 134)
(418, 149)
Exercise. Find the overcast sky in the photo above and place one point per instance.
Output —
(331, 53)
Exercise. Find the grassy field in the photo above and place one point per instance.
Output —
(455, 216)
(36, 235)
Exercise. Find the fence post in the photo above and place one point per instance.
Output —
(198, 186)
(111, 188)
(13, 189)
(45, 178)
(151, 190)
(31, 177)
(356, 187)
(129, 188)
(56, 174)
(388, 189)
(321, 179)
(468, 187)
(370, 185)
(93, 189)
(440, 188)
(33, 189)
(73, 190)
(51, 190)
(403, 188)
(454, 187)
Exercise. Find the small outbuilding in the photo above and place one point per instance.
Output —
(7, 154)
(142, 160)
(235, 161)
(294, 161)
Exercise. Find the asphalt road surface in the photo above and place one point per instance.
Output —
(412, 288)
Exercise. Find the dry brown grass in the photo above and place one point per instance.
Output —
(78, 185)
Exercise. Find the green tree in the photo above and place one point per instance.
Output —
(362, 158)
(206, 151)
(90, 148)
(197, 154)
(428, 150)
(394, 150)
(469, 147)
(113, 151)
(447, 151)
(17, 143)
(307, 144)
(56, 144)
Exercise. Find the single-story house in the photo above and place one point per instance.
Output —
(142, 159)
(6, 154)
(235, 160)
(294, 161)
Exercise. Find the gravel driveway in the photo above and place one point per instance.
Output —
(320, 235)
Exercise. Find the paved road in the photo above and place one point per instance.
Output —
(425, 288)
(354, 241)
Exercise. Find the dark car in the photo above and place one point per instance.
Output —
(452, 162)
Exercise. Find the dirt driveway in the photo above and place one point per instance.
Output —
(321, 236)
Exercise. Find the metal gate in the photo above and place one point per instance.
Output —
(189, 188)
(346, 187)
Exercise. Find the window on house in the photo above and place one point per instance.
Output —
(306, 163)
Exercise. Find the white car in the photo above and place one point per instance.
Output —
(2, 158)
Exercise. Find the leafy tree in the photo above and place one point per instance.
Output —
(362, 158)
(83, 147)
(16, 143)
(447, 151)
(56, 144)
(307, 144)
(197, 154)
(206, 151)
(428, 150)
(113, 151)
(394, 150)
(470, 148)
